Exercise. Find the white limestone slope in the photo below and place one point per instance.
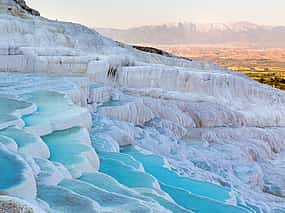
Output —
(208, 123)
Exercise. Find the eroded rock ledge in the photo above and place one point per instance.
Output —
(25, 7)
(17, 8)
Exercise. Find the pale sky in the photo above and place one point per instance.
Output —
(131, 13)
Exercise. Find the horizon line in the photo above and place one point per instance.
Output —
(185, 22)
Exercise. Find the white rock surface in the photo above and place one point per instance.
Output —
(134, 111)
(209, 123)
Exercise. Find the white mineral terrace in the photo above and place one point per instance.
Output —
(88, 125)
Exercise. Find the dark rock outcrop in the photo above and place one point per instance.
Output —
(158, 51)
(25, 7)
(17, 8)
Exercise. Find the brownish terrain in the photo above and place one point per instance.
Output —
(264, 65)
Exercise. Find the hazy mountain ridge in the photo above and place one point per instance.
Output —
(240, 33)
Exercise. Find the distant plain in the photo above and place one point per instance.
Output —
(264, 65)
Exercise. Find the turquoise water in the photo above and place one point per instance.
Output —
(121, 167)
(64, 200)
(103, 198)
(8, 105)
(50, 106)
(124, 168)
(68, 136)
(21, 138)
(124, 158)
(7, 118)
(12, 169)
(5, 140)
(66, 146)
(155, 166)
(197, 203)
(136, 170)
(67, 154)
(124, 174)
(195, 195)
(109, 184)
(174, 207)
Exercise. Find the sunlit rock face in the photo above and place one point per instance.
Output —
(90, 125)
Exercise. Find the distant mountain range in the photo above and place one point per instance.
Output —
(237, 34)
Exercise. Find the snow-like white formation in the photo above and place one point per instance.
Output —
(99, 94)
(189, 124)
(133, 111)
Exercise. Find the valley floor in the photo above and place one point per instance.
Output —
(264, 65)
